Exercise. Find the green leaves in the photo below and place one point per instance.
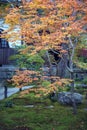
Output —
(36, 58)
(81, 64)
(83, 40)
(33, 62)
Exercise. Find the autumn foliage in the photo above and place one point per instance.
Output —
(43, 85)
(23, 78)
(49, 25)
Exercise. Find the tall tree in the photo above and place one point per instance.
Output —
(54, 25)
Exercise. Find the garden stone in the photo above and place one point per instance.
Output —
(49, 106)
(66, 98)
(85, 109)
(29, 106)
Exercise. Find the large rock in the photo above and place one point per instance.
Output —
(67, 98)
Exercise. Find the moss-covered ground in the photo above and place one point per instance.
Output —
(15, 116)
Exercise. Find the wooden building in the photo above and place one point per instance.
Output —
(5, 51)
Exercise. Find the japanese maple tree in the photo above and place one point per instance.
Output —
(54, 25)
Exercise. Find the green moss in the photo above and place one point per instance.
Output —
(45, 83)
(40, 117)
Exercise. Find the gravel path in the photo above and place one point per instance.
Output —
(11, 91)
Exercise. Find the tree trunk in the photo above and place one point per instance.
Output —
(72, 92)
(71, 52)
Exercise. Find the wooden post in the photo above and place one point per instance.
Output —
(5, 91)
(20, 89)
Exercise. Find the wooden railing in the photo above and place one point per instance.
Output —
(5, 54)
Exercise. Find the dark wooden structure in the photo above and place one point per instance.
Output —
(5, 51)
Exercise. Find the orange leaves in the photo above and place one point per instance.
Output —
(46, 25)
(58, 17)
(26, 77)
(13, 17)
(55, 86)
(23, 78)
